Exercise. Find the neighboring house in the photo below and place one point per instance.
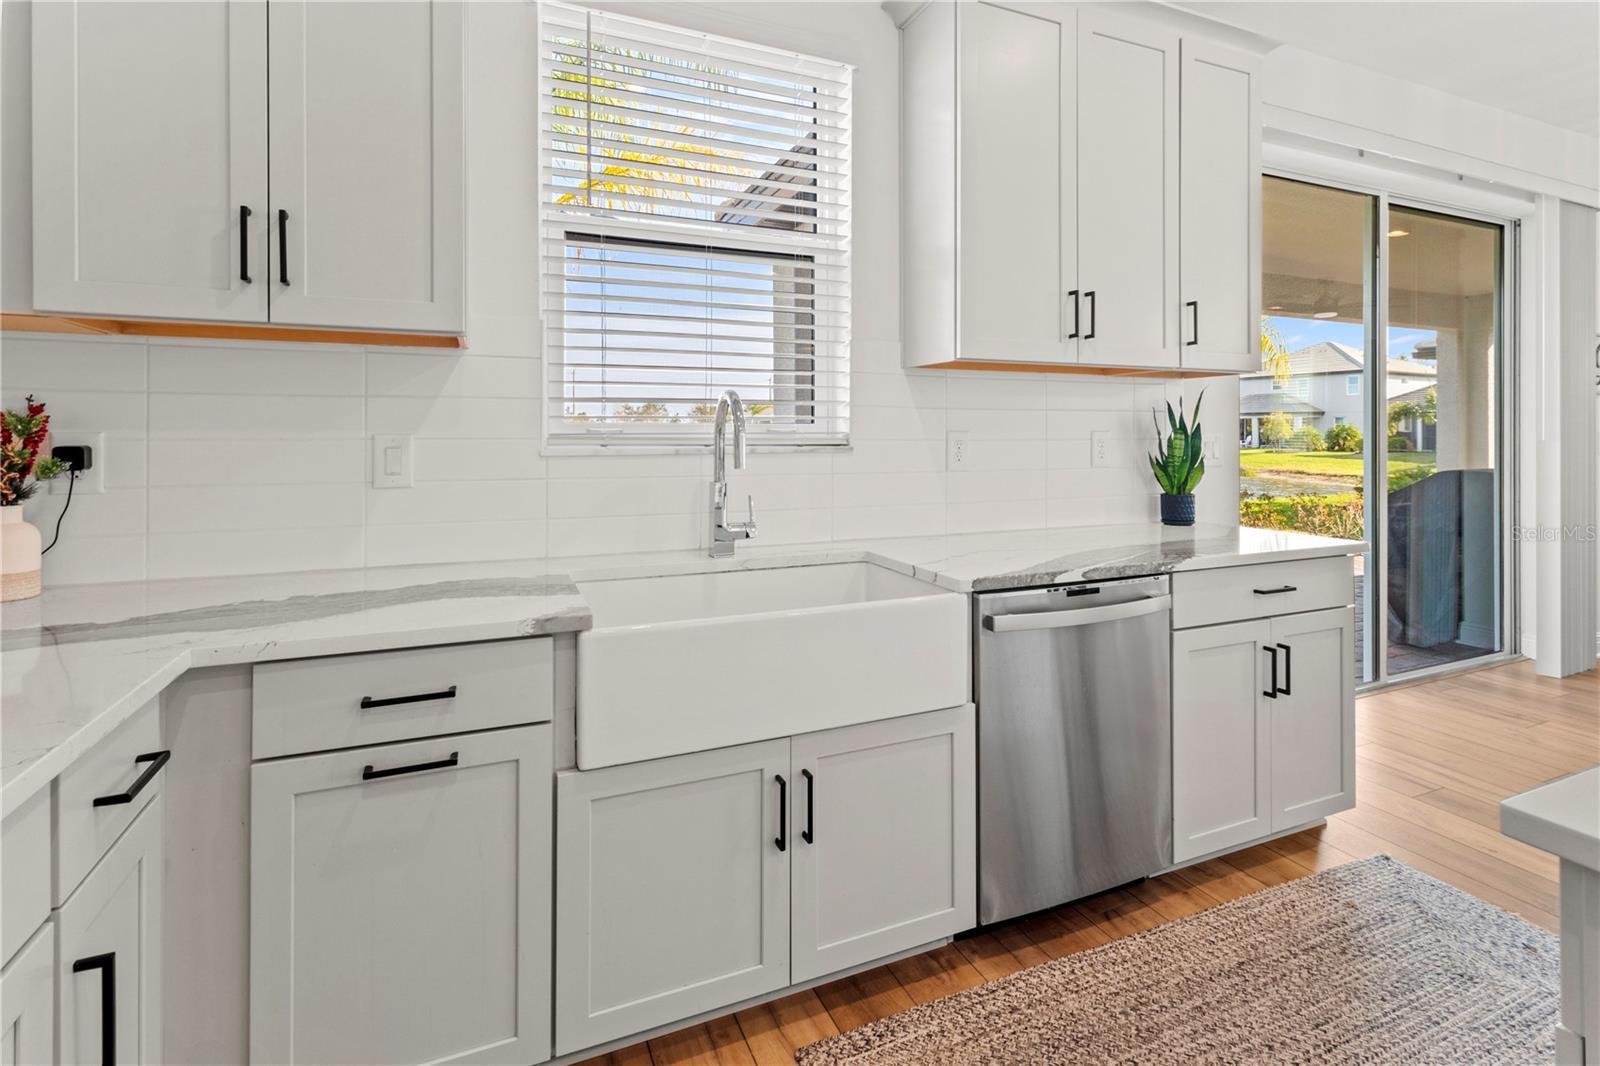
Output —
(1324, 389)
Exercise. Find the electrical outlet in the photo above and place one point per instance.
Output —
(1103, 451)
(391, 461)
(92, 480)
(956, 448)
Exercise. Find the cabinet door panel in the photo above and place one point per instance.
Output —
(673, 897)
(1221, 744)
(1313, 724)
(1015, 240)
(367, 156)
(890, 810)
(403, 918)
(149, 134)
(1127, 191)
(1220, 240)
(115, 912)
(28, 1002)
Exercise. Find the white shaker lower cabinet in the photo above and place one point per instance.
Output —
(1221, 738)
(109, 951)
(675, 877)
(28, 1002)
(400, 904)
(1263, 728)
(672, 893)
(1313, 717)
(885, 847)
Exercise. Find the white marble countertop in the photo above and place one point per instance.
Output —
(77, 661)
(1562, 818)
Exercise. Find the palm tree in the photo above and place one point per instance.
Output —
(1274, 355)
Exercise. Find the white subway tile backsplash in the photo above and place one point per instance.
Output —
(247, 461)
(217, 508)
(214, 554)
(272, 417)
(82, 410)
(391, 373)
(248, 371)
(628, 533)
(46, 364)
(241, 458)
(463, 502)
(451, 542)
(442, 459)
(453, 416)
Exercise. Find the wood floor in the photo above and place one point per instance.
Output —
(1433, 762)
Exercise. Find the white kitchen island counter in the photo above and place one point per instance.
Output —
(1563, 818)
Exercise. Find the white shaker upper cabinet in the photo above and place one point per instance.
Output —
(150, 159)
(1127, 206)
(987, 196)
(1220, 241)
(367, 149)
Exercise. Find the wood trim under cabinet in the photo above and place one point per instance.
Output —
(24, 322)
(1068, 368)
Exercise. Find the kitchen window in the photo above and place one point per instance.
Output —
(694, 234)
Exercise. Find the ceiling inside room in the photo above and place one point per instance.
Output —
(1536, 59)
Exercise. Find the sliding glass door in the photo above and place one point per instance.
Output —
(1443, 526)
(1377, 413)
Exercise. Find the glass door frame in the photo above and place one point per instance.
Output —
(1507, 432)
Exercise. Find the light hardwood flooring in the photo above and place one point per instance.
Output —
(1433, 762)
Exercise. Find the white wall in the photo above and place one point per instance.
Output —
(235, 458)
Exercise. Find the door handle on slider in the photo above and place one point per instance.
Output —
(368, 702)
(1277, 591)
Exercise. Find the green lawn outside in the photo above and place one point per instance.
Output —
(1405, 468)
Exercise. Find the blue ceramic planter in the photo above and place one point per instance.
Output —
(1177, 510)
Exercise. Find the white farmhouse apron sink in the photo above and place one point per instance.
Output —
(689, 662)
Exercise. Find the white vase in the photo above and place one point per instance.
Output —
(19, 556)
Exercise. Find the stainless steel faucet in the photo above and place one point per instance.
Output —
(723, 532)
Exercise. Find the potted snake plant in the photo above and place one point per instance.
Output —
(1179, 463)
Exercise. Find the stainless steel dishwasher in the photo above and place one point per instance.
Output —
(1074, 741)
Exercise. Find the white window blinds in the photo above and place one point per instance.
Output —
(694, 236)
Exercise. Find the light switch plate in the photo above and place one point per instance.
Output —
(391, 461)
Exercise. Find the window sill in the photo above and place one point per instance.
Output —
(548, 450)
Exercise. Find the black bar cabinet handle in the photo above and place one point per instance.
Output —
(1272, 691)
(811, 792)
(783, 814)
(1090, 297)
(369, 774)
(107, 965)
(1275, 592)
(244, 244)
(1194, 307)
(156, 759)
(1288, 669)
(368, 702)
(1074, 294)
(283, 247)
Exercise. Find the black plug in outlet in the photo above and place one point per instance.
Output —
(78, 457)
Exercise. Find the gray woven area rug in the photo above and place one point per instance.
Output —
(1372, 962)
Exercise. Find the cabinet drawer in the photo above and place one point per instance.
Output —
(352, 700)
(1232, 594)
(25, 874)
(114, 767)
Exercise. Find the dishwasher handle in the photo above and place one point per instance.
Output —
(1082, 616)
